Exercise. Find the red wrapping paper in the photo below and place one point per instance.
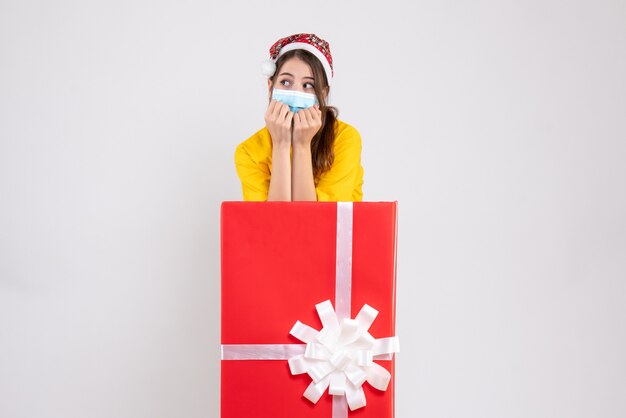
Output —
(278, 262)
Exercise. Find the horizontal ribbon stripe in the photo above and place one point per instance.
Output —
(261, 351)
(271, 352)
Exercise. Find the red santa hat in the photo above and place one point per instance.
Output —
(307, 41)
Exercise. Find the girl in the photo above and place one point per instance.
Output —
(304, 152)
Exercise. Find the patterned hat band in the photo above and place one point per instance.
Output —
(308, 42)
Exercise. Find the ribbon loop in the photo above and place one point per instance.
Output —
(364, 357)
(355, 396)
(349, 331)
(315, 390)
(340, 360)
(298, 365)
(320, 371)
(378, 377)
(328, 316)
(303, 332)
(356, 375)
(366, 316)
(337, 384)
(386, 345)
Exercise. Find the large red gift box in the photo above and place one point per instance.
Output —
(279, 261)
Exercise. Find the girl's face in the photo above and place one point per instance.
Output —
(295, 74)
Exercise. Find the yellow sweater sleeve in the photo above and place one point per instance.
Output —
(343, 182)
(255, 178)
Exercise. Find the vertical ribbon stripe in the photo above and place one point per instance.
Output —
(343, 266)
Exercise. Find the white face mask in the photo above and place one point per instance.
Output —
(296, 100)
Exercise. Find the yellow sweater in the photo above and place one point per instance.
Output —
(342, 182)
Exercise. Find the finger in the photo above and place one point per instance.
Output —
(285, 119)
(289, 117)
(317, 117)
(316, 114)
(308, 116)
(305, 119)
(276, 113)
(282, 111)
(277, 107)
(297, 117)
(271, 107)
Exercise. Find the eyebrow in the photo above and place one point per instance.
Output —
(294, 77)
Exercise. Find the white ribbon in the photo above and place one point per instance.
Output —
(340, 356)
(261, 351)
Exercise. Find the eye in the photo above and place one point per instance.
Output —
(285, 82)
(308, 86)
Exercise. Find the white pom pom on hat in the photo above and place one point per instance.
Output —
(268, 68)
(307, 41)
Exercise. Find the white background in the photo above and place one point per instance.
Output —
(499, 126)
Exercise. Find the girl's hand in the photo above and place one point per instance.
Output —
(306, 123)
(278, 121)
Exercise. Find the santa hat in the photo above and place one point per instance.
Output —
(307, 41)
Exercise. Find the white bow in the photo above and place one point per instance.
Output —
(340, 356)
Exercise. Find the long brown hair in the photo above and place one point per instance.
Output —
(322, 154)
